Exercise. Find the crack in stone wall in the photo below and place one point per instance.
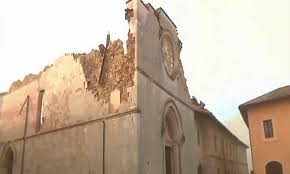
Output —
(118, 69)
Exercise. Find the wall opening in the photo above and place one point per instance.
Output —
(8, 161)
(199, 169)
(40, 111)
(198, 137)
(268, 128)
(168, 159)
(172, 137)
(274, 167)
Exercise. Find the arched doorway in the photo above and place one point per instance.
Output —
(172, 140)
(274, 167)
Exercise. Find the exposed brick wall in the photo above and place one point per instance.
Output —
(72, 90)
(118, 72)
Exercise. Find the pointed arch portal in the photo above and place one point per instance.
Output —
(172, 139)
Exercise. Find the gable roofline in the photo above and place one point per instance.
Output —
(158, 10)
(163, 11)
(274, 95)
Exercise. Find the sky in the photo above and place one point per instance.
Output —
(233, 50)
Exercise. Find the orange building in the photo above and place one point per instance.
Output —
(268, 120)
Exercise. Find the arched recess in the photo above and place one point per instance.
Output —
(7, 160)
(274, 167)
(173, 138)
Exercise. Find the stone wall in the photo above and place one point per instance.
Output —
(218, 150)
(108, 125)
(72, 92)
(156, 90)
(90, 125)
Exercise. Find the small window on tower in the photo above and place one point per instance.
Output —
(268, 129)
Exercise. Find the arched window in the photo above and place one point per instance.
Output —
(172, 140)
(7, 161)
(274, 167)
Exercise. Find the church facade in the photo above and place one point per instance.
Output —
(106, 111)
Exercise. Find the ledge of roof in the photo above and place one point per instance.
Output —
(282, 92)
(199, 109)
(211, 116)
(277, 94)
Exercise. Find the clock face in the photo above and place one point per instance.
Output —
(168, 54)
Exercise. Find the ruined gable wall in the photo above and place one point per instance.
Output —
(74, 96)
(88, 125)
(72, 90)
